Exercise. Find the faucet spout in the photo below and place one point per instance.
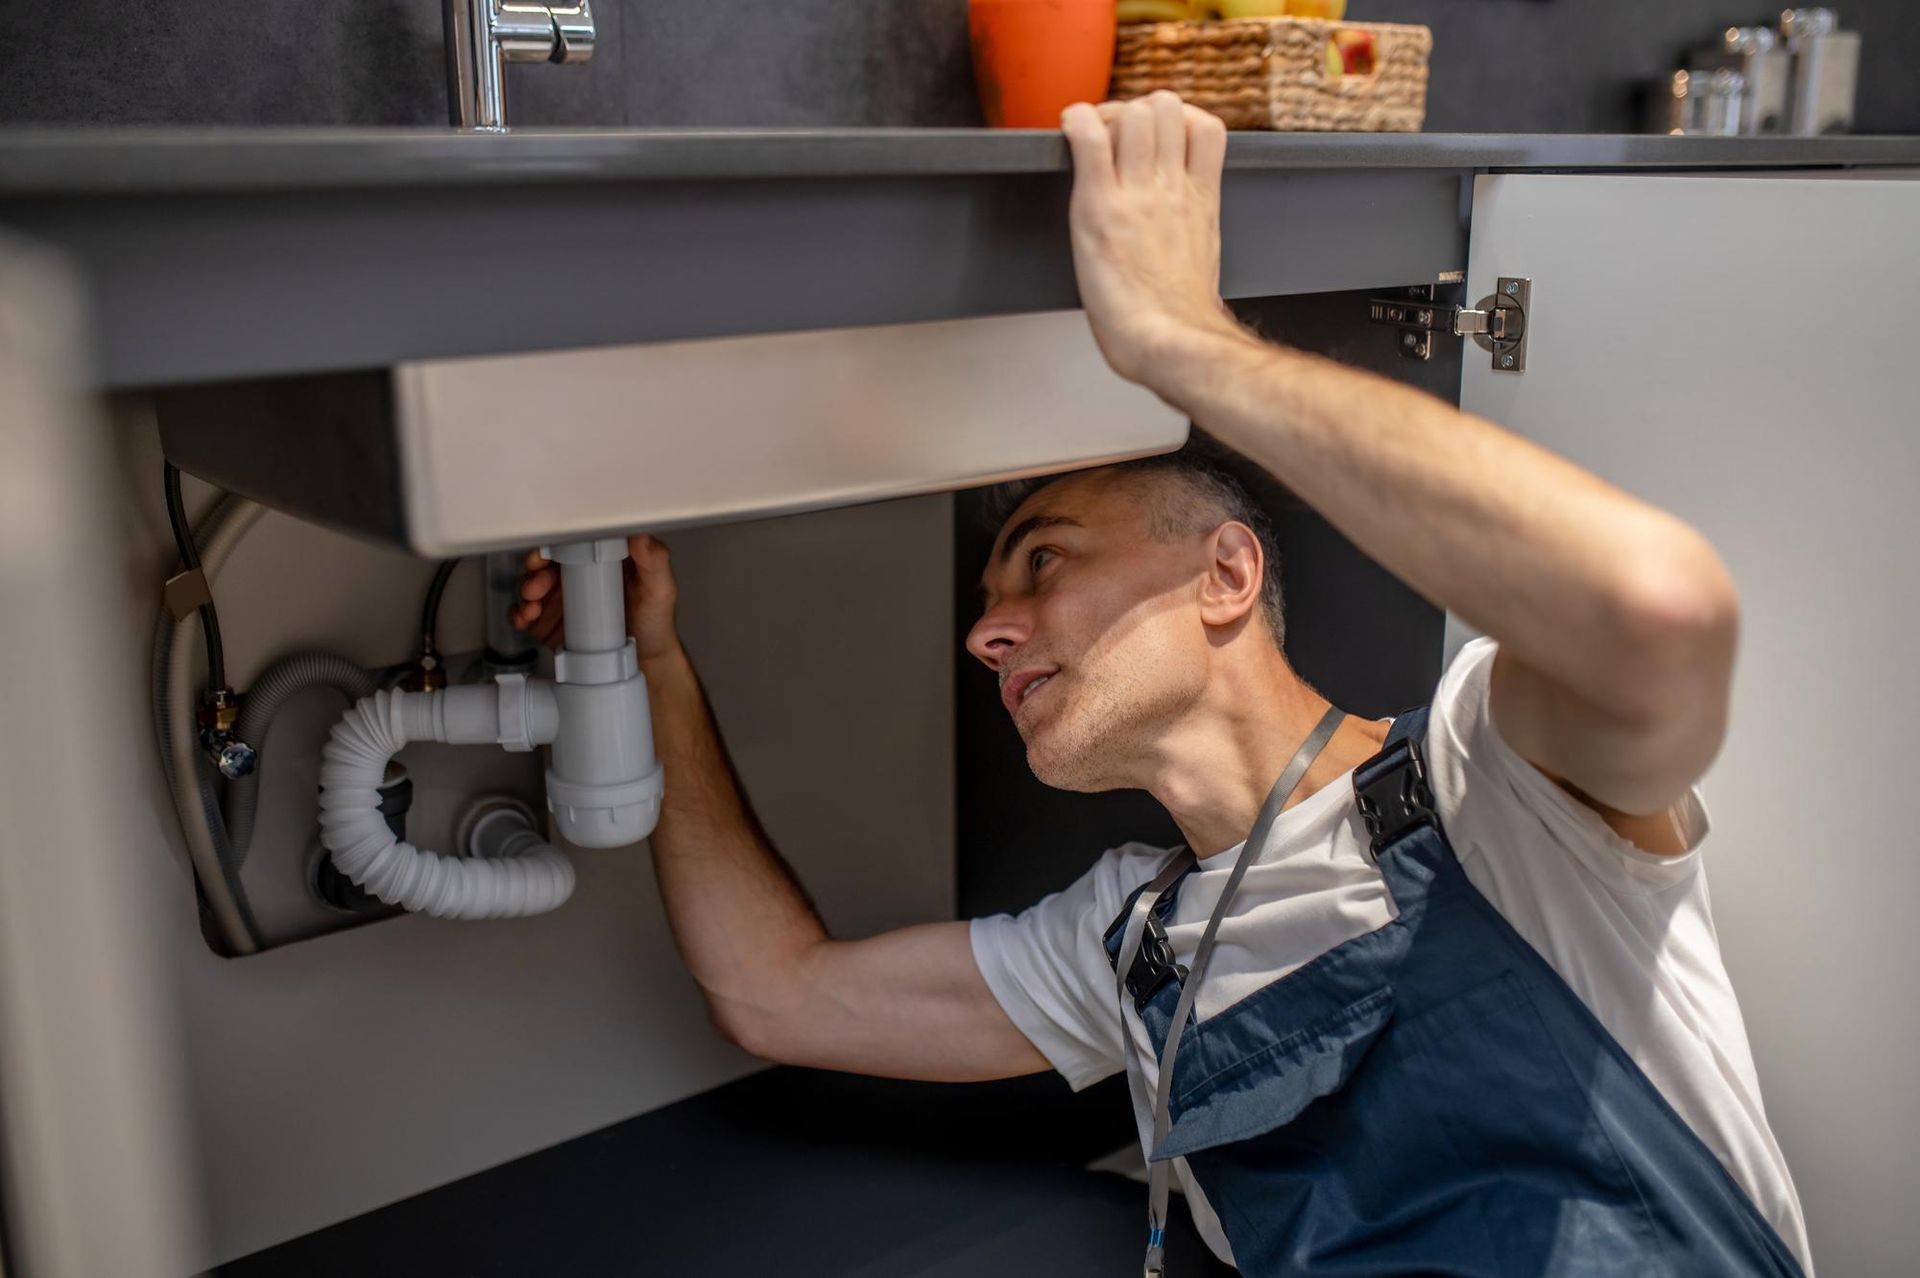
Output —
(484, 35)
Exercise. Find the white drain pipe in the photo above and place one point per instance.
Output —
(603, 787)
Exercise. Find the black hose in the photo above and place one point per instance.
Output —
(430, 612)
(190, 560)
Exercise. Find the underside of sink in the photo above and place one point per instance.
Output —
(454, 457)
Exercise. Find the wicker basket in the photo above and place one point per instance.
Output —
(1270, 73)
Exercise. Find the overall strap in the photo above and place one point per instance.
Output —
(1138, 916)
(1159, 1173)
(1392, 788)
(1408, 725)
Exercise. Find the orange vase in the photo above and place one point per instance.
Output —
(1034, 58)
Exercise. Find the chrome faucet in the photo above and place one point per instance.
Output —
(484, 35)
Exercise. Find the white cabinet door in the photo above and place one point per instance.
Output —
(95, 1150)
(1745, 352)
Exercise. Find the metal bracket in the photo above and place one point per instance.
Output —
(1498, 324)
(185, 592)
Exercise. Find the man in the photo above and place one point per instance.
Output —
(1483, 1028)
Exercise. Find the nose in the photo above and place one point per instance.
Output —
(1001, 628)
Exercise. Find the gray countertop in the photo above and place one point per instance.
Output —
(60, 162)
(220, 254)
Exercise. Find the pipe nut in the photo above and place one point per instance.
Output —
(599, 551)
(571, 666)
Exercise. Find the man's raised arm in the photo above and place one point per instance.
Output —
(1616, 621)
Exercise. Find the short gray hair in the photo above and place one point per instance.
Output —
(1189, 492)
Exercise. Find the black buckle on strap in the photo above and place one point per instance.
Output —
(1395, 797)
(1153, 966)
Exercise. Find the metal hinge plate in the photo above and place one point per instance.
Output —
(1498, 324)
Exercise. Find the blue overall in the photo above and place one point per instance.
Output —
(1432, 1098)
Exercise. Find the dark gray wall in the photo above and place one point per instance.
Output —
(1582, 66)
(746, 62)
(1499, 65)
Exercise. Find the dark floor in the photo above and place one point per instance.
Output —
(791, 1173)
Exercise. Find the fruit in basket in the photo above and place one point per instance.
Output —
(1331, 10)
(1151, 10)
(1236, 9)
(1356, 49)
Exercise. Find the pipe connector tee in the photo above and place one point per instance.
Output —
(604, 784)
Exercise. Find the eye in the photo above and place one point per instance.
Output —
(1033, 559)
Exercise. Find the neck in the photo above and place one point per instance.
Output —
(1215, 766)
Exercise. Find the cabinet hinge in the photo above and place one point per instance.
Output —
(1498, 324)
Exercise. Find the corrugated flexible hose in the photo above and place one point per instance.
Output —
(278, 684)
(536, 878)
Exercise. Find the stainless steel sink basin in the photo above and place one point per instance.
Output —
(453, 457)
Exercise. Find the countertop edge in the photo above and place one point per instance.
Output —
(57, 163)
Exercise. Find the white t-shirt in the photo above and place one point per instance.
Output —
(1629, 931)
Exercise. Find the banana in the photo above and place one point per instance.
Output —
(1151, 10)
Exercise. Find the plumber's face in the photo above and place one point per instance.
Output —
(1092, 627)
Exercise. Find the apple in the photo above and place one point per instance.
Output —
(1356, 52)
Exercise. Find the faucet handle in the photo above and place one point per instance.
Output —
(520, 30)
(573, 31)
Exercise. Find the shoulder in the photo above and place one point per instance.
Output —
(1494, 803)
(1461, 695)
(1104, 888)
(1047, 966)
(1090, 900)
(1460, 740)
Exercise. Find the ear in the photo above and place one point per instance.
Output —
(1235, 568)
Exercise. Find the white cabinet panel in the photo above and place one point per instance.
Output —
(1744, 352)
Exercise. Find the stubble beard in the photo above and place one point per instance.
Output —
(1093, 740)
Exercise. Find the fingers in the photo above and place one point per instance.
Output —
(647, 551)
(1089, 142)
(1206, 148)
(535, 589)
(525, 615)
(1169, 132)
(651, 565)
(1133, 142)
(649, 577)
(539, 583)
(542, 621)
